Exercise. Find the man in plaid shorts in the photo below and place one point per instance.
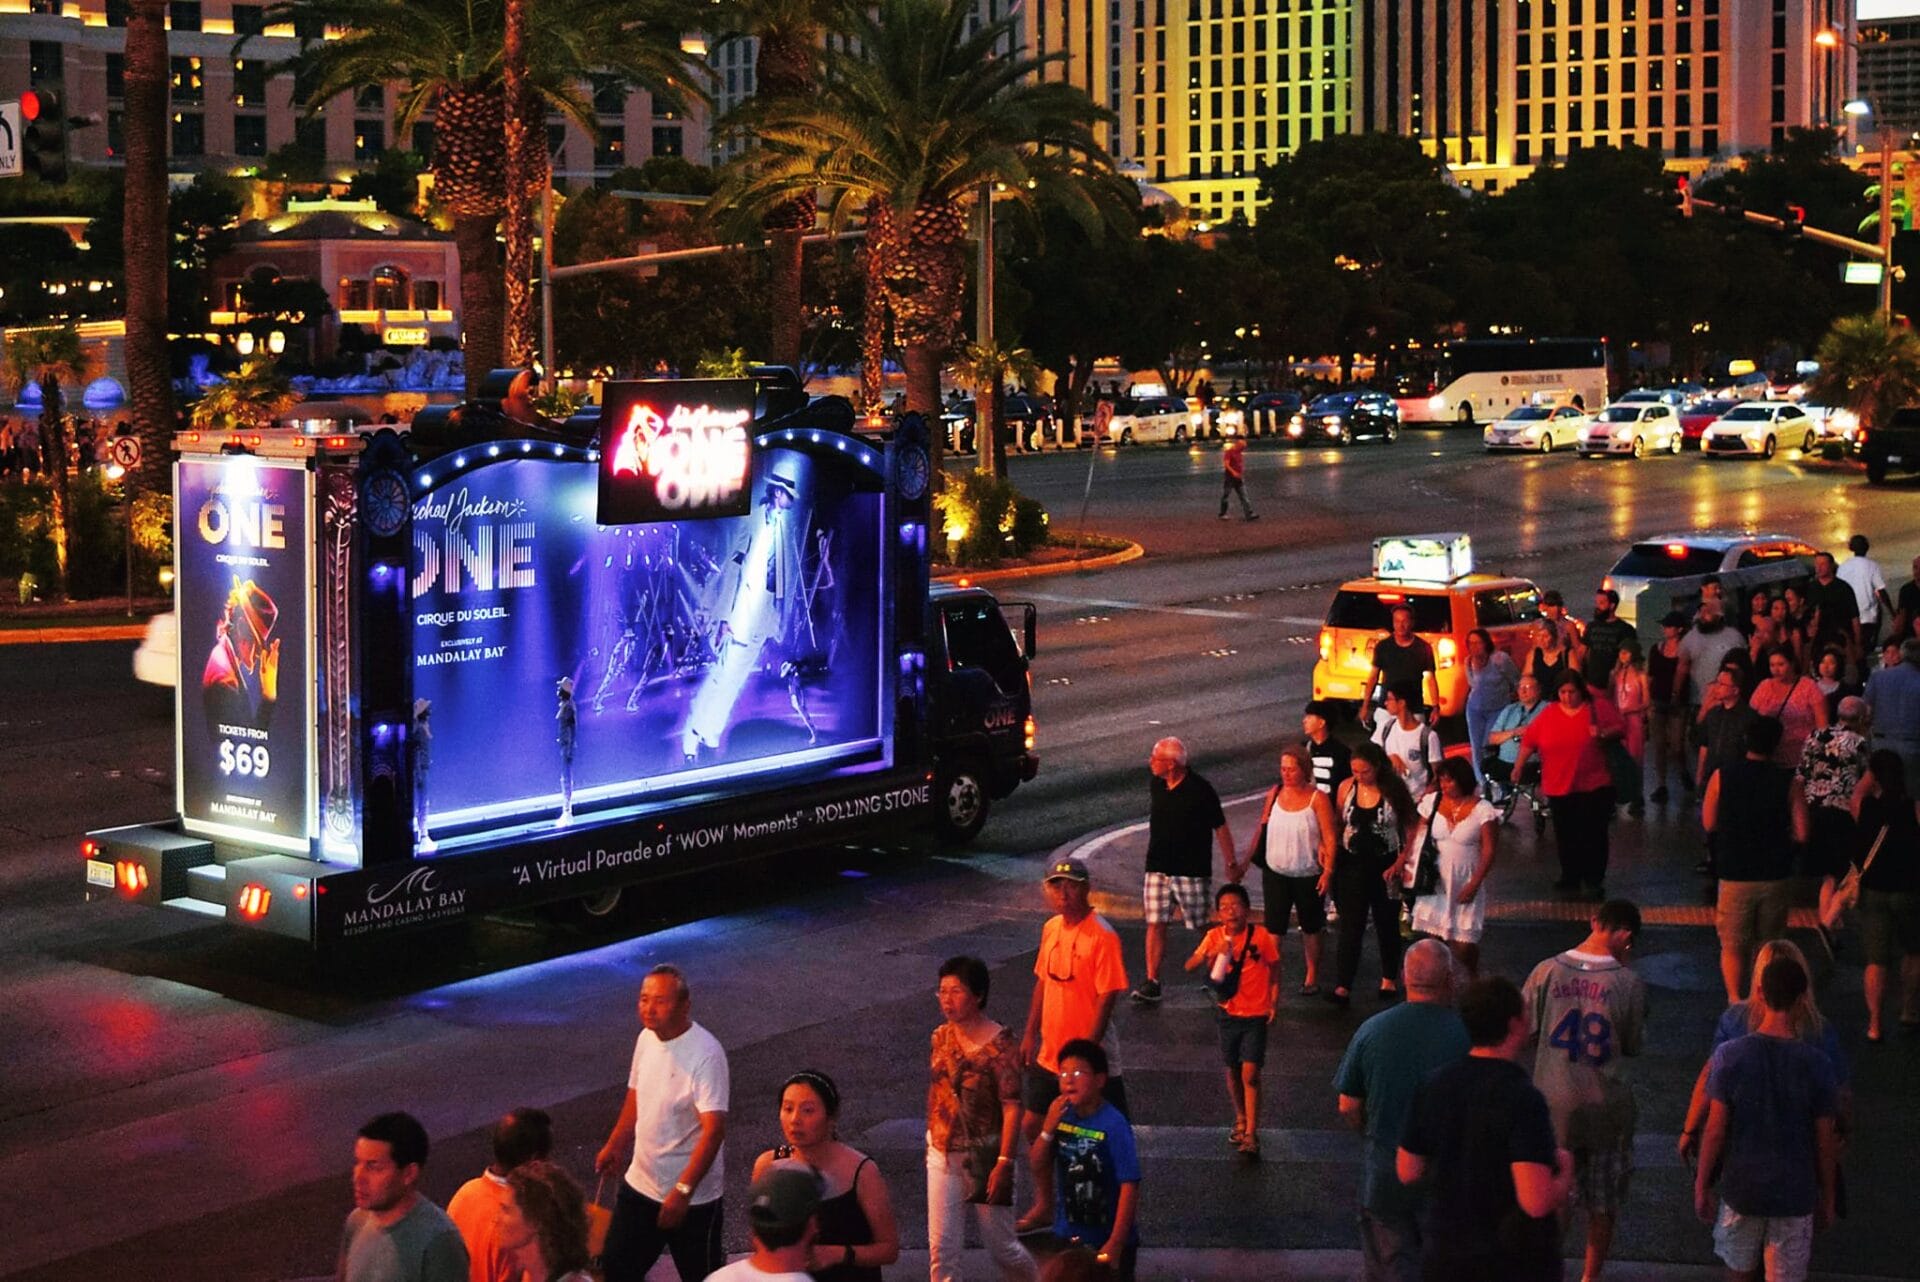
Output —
(1587, 1010)
(1185, 815)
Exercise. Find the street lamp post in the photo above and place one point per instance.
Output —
(1858, 110)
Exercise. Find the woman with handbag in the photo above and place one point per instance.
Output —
(1888, 886)
(973, 1117)
(1293, 845)
(1458, 837)
(857, 1236)
(1374, 814)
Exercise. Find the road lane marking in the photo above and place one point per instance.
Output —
(1192, 611)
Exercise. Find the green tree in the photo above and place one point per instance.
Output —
(51, 358)
(392, 184)
(249, 398)
(917, 114)
(987, 368)
(447, 56)
(1069, 291)
(1869, 367)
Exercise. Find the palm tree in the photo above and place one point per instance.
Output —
(522, 158)
(1869, 366)
(250, 398)
(145, 240)
(49, 358)
(448, 56)
(987, 368)
(915, 117)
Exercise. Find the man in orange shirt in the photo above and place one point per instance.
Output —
(1233, 461)
(522, 1136)
(1077, 978)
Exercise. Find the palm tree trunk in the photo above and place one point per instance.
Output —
(785, 294)
(482, 296)
(53, 451)
(873, 312)
(923, 361)
(149, 366)
(519, 176)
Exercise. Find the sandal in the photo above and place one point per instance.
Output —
(1249, 1147)
(1309, 990)
(1237, 1136)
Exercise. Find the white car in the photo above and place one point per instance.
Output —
(1635, 428)
(1761, 429)
(1143, 419)
(1544, 428)
(158, 654)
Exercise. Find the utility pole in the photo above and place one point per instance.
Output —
(1886, 224)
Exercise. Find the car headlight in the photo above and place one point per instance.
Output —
(1532, 432)
(1330, 420)
(1295, 427)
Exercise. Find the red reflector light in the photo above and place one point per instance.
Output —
(132, 876)
(300, 890)
(254, 900)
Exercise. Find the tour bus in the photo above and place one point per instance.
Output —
(490, 662)
(1477, 380)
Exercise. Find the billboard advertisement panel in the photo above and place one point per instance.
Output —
(245, 723)
(562, 663)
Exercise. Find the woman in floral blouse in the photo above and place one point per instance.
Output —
(1830, 768)
(973, 1116)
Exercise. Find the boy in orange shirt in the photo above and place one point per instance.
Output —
(1245, 959)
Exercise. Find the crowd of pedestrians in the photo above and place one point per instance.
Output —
(1496, 1114)
(23, 450)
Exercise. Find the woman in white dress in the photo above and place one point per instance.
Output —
(1466, 833)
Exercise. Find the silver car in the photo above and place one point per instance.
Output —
(1692, 552)
(1542, 428)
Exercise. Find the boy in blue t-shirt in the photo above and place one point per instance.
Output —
(1096, 1168)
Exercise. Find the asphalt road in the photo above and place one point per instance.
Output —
(178, 1103)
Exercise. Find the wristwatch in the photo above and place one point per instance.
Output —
(683, 1189)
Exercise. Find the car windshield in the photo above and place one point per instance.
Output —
(1715, 408)
(1620, 414)
(1667, 561)
(1333, 402)
(1748, 414)
(1373, 611)
(1529, 414)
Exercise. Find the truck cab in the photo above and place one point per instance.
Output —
(981, 692)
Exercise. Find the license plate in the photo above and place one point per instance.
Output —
(1895, 458)
(99, 873)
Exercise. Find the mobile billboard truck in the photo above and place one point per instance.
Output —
(491, 663)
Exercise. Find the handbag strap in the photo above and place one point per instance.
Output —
(599, 1190)
(1875, 850)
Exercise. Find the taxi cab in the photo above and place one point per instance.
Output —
(1434, 575)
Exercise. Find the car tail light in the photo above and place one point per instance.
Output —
(1029, 730)
(89, 849)
(254, 900)
(1446, 651)
(1678, 551)
(1326, 645)
(132, 876)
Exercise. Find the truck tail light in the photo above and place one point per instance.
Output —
(1446, 651)
(89, 850)
(254, 900)
(1326, 645)
(132, 876)
(1029, 731)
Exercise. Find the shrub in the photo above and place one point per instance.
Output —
(985, 519)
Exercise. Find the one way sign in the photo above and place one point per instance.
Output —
(10, 139)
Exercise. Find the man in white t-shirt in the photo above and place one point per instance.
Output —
(1869, 583)
(782, 1217)
(1410, 743)
(674, 1121)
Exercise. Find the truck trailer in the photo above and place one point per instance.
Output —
(493, 661)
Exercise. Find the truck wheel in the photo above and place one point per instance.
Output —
(600, 906)
(963, 803)
(1465, 415)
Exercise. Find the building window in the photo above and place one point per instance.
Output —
(117, 12)
(1523, 85)
(609, 96)
(369, 139)
(556, 139)
(249, 20)
(189, 82)
(249, 135)
(389, 289)
(610, 151)
(423, 138)
(46, 62)
(1683, 110)
(668, 141)
(116, 76)
(353, 295)
(1600, 113)
(1710, 142)
(250, 82)
(1710, 115)
(370, 99)
(184, 15)
(116, 132)
(1710, 73)
(1522, 152)
(189, 134)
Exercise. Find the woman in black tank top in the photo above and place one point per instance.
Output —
(858, 1236)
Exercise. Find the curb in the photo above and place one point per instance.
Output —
(61, 636)
(1131, 552)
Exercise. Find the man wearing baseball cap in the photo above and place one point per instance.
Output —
(782, 1217)
(1078, 976)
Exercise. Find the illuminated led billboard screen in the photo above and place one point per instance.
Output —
(675, 449)
(242, 537)
(564, 663)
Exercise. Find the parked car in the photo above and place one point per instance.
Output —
(1760, 429)
(1268, 413)
(1695, 552)
(1541, 428)
(1227, 416)
(1633, 428)
(157, 656)
(1696, 418)
(1145, 419)
(1893, 446)
(1344, 417)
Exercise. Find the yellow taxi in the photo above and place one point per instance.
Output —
(1433, 575)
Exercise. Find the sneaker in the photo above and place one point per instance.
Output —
(1223, 516)
(1149, 991)
(1253, 516)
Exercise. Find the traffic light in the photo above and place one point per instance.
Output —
(43, 150)
(1795, 218)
